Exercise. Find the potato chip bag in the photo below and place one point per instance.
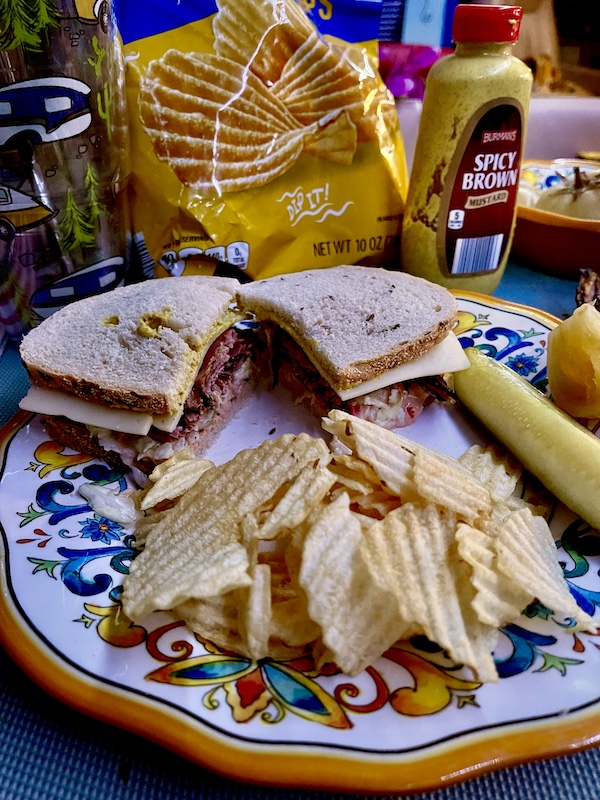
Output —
(260, 143)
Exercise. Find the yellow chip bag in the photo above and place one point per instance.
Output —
(260, 143)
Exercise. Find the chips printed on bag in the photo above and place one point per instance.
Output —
(259, 142)
(295, 548)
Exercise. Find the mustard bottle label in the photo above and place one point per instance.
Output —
(480, 194)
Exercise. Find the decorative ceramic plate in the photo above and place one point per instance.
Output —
(407, 724)
(554, 243)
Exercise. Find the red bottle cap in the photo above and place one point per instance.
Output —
(478, 23)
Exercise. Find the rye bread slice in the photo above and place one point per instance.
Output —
(136, 347)
(354, 322)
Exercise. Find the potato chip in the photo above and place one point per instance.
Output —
(174, 480)
(290, 621)
(292, 626)
(449, 486)
(527, 556)
(214, 619)
(500, 512)
(354, 474)
(496, 470)
(195, 549)
(497, 599)
(412, 553)
(483, 637)
(376, 504)
(268, 618)
(356, 615)
(359, 481)
(256, 616)
(249, 537)
(306, 491)
(145, 525)
(389, 455)
(295, 549)
(394, 548)
(185, 454)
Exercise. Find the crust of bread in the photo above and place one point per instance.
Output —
(78, 438)
(354, 323)
(137, 347)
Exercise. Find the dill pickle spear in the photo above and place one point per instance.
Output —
(560, 452)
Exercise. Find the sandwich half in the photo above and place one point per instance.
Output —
(369, 341)
(136, 374)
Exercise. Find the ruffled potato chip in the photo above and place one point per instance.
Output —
(450, 486)
(390, 456)
(175, 478)
(412, 554)
(527, 556)
(498, 471)
(497, 599)
(356, 615)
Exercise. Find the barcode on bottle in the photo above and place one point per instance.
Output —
(477, 255)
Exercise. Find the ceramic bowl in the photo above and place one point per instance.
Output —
(553, 243)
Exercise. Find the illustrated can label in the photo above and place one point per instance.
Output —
(479, 199)
(64, 147)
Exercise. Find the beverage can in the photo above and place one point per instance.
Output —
(64, 158)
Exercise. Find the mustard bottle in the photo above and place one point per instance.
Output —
(461, 205)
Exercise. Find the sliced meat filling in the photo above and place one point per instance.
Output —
(225, 376)
(394, 406)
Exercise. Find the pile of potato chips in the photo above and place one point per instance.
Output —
(339, 551)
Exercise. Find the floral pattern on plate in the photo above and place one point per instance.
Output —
(63, 570)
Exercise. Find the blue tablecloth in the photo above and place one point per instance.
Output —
(49, 752)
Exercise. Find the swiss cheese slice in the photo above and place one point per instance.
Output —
(51, 402)
(447, 356)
